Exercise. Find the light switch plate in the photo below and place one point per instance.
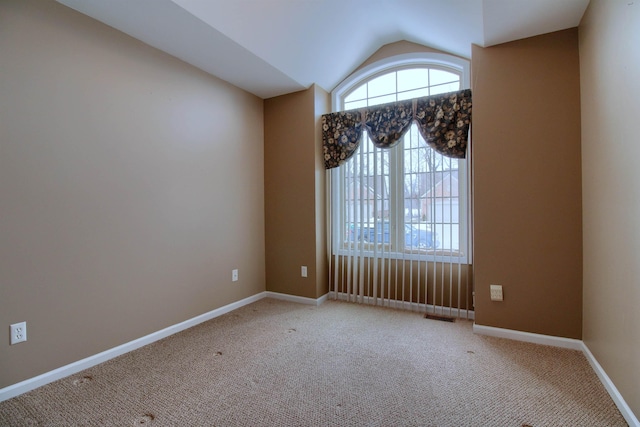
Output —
(496, 292)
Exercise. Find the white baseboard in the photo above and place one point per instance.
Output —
(573, 344)
(295, 298)
(626, 411)
(75, 367)
(528, 337)
(80, 365)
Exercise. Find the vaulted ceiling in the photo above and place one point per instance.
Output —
(273, 47)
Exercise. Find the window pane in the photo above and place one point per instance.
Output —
(449, 87)
(366, 183)
(382, 99)
(355, 104)
(431, 197)
(437, 77)
(359, 93)
(417, 93)
(413, 79)
(382, 85)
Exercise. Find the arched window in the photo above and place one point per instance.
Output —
(418, 60)
(409, 201)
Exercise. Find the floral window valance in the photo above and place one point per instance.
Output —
(443, 121)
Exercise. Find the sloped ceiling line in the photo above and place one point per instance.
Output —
(274, 47)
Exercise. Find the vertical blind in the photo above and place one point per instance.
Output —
(400, 217)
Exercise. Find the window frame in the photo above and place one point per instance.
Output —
(360, 77)
(408, 60)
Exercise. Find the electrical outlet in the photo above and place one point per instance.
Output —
(18, 332)
(234, 275)
(496, 292)
(303, 271)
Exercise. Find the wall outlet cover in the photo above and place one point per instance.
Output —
(18, 332)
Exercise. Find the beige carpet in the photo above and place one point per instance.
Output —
(275, 363)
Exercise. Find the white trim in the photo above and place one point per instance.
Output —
(625, 410)
(405, 305)
(295, 298)
(80, 365)
(573, 344)
(528, 337)
(323, 298)
(416, 58)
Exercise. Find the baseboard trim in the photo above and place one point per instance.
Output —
(295, 298)
(323, 298)
(80, 365)
(569, 343)
(75, 367)
(528, 337)
(626, 411)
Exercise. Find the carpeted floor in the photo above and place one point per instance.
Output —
(275, 363)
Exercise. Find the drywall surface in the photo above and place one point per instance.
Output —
(295, 196)
(322, 106)
(131, 184)
(290, 202)
(609, 70)
(526, 184)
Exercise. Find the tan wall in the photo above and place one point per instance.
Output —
(399, 48)
(130, 185)
(294, 193)
(322, 106)
(609, 70)
(527, 187)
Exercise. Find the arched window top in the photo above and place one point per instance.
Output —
(387, 96)
(345, 92)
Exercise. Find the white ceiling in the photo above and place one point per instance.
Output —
(273, 47)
